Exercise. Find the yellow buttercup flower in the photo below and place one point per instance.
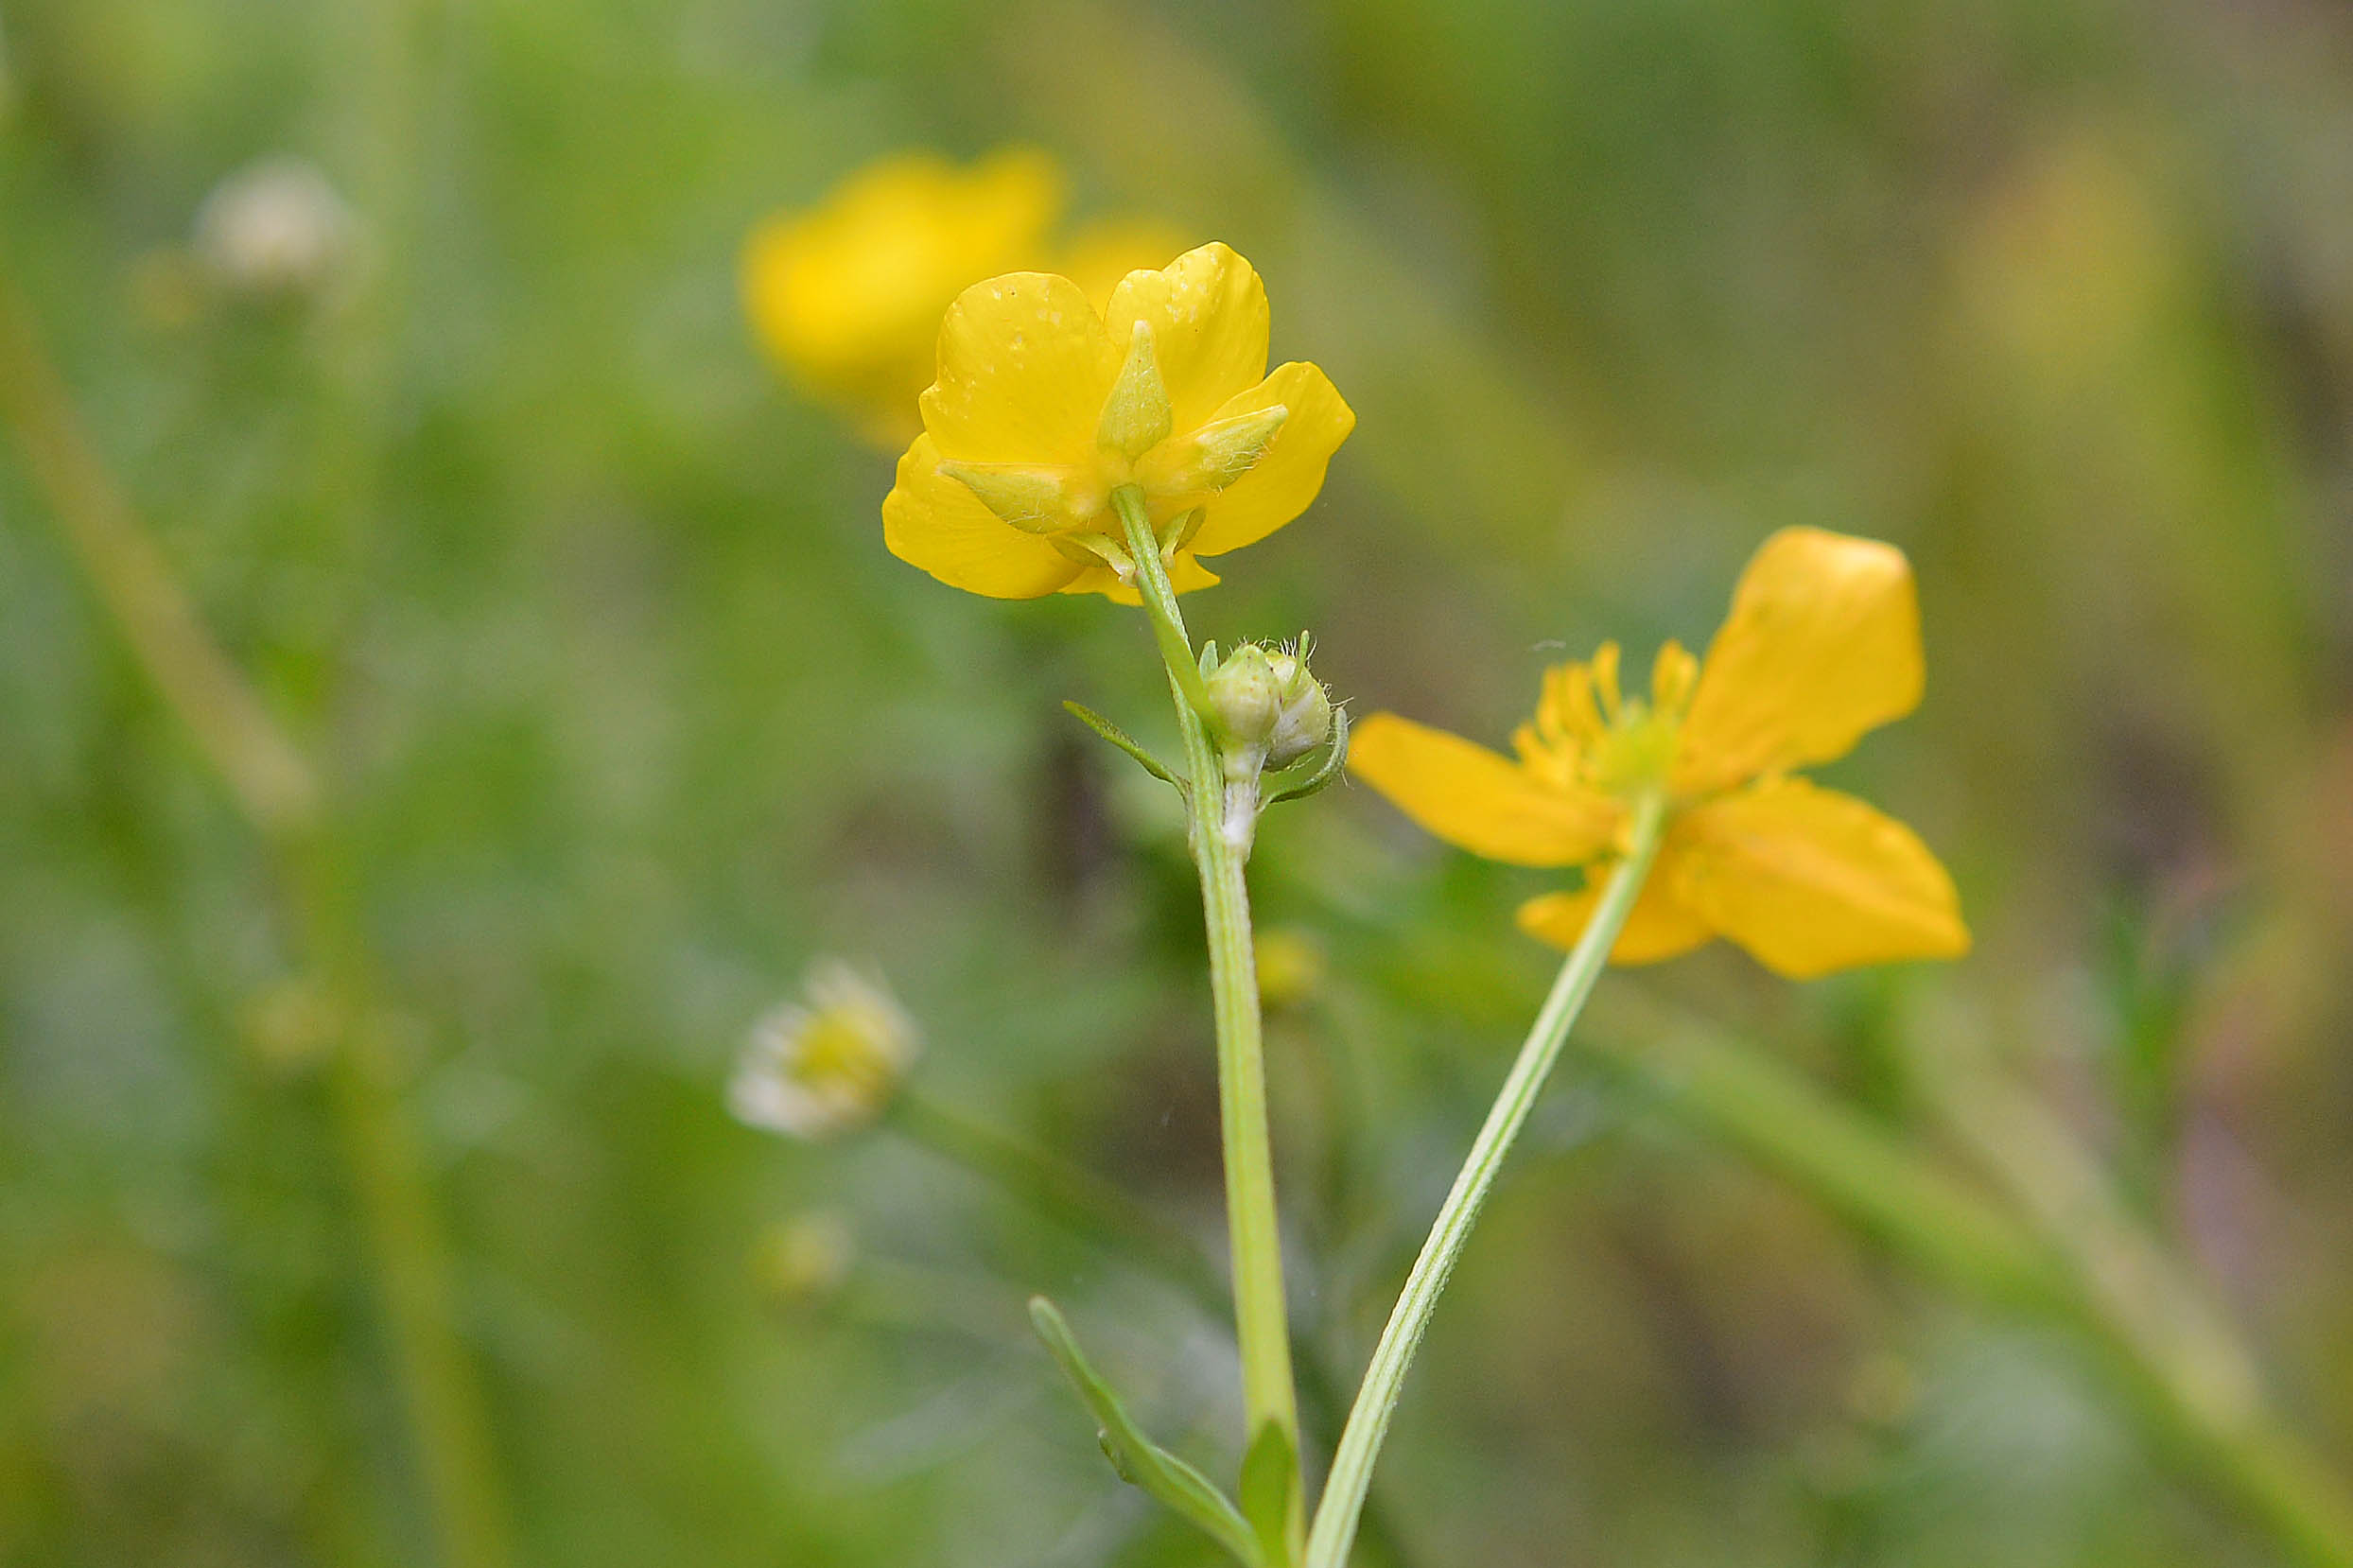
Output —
(1044, 406)
(1822, 644)
(847, 295)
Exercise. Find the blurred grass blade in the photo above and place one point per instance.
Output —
(1125, 742)
(271, 780)
(1141, 1461)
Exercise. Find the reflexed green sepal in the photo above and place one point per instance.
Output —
(1035, 499)
(1136, 417)
(1208, 459)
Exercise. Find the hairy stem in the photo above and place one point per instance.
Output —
(1224, 815)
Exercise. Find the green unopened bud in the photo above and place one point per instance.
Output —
(1206, 461)
(1304, 708)
(1246, 700)
(1034, 500)
(1136, 417)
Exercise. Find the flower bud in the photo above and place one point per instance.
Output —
(1246, 700)
(1136, 417)
(816, 1069)
(1304, 708)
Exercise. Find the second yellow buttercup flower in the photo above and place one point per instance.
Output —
(846, 293)
(1823, 645)
(1044, 407)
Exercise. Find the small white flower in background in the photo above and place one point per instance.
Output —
(822, 1067)
(274, 227)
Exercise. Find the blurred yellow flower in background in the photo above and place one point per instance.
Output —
(1044, 406)
(1099, 253)
(802, 1259)
(1293, 967)
(1822, 644)
(847, 294)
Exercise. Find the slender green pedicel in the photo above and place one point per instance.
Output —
(1384, 1378)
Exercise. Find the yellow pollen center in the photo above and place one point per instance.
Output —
(1586, 735)
(1634, 752)
(838, 1051)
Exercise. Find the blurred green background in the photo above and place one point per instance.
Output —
(627, 714)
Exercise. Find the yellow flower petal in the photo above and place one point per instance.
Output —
(1184, 575)
(1822, 644)
(1472, 797)
(1101, 252)
(1292, 470)
(931, 521)
(1208, 314)
(1810, 881)
(1660, 926)
(1024, 366)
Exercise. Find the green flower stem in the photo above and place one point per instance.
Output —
(278, 792)
(2074, 1259)
(1224, 817)
(1335, 1530)
(1159, 603)
(1093, 1209)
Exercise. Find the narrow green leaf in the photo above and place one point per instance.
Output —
(1139, 1460)
(1326, 771)
(1270, 1489)
(1125, 742)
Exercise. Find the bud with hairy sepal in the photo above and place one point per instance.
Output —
(1246, 703)
(1303, 708)
(1270, 710)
